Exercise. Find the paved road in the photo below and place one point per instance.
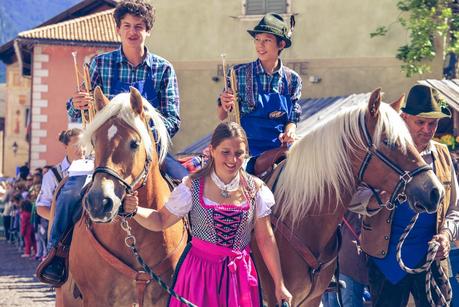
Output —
(18, 286)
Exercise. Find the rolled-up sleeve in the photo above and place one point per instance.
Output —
(45, 196)
(295, 96)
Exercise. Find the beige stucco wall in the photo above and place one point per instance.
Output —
(331, 41)
(17, 102)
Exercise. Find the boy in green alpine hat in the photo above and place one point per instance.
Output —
(267, 91)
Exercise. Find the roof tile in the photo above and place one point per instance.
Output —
(98, 27)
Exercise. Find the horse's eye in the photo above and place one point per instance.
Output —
(134, 144)
(388, 144)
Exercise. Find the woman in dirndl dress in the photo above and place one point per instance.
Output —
(224, 204)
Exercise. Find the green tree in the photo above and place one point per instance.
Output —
(425, 20)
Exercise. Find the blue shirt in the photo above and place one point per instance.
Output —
(415, 247)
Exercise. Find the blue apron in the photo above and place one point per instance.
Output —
(268, 119)
(170, 165)
(145, 87)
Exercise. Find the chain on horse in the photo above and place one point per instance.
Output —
(130, 242)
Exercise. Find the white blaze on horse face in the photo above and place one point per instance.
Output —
(108, 190)
(111, 132)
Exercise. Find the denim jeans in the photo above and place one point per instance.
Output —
(68, 208)
(174, 168)
(352, 294)
(384, 293)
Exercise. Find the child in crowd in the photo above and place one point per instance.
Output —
(26, 228)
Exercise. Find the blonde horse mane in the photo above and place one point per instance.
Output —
(319, 162)
(120, 106)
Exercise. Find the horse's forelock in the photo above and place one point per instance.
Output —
(120, 107)
(318, 165)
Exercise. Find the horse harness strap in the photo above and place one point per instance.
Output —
(398, 195)
(136, 183)
(141, 278)
(313, 262)
(305, 253)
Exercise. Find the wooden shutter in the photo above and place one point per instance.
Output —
(276, 6)
(261, 7)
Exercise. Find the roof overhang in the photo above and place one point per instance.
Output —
(8, 50)
(23, 50)
(448, 88)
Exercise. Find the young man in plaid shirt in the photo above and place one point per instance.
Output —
(115, 72)
(133, 65)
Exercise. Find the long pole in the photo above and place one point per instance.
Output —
(74, 54)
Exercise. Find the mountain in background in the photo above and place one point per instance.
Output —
(17, 16)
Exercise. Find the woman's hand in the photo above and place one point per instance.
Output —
(131, 201)
(227, 100)
(282, 294)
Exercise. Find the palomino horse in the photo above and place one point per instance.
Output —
(126, 159)
(368, 143)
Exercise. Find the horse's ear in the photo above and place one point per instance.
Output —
(374, 102)
(136, 101)
(397, 104)
(100, 99)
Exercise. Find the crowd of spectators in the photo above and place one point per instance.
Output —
(22, 226)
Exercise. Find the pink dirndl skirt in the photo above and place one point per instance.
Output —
(213, 276)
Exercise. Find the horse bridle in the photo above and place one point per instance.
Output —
(130, 187)
(138, 182)
(405, 176)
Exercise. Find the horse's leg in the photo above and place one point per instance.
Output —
(59, 297)
(314, 302)
(267, 285)
(68, 293)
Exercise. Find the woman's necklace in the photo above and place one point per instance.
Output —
(225, 189)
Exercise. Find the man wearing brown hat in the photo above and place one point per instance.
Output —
(381, 232)
(267, 91)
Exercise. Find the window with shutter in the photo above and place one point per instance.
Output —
(261, 7)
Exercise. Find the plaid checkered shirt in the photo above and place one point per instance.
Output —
(162, 75)
(247, 86)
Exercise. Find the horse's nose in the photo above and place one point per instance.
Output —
(107, 204)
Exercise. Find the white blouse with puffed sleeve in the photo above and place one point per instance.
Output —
(180, 201)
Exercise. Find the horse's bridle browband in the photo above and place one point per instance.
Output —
(405, 176)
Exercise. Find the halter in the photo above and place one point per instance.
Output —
(405, 176)
(134, 185)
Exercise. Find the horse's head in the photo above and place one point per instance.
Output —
(124, 149)
(367, 143)
(389, 161)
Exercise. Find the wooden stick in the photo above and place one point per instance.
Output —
(74, 54)
(87, 83)
(87, 79)
(223, 56)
